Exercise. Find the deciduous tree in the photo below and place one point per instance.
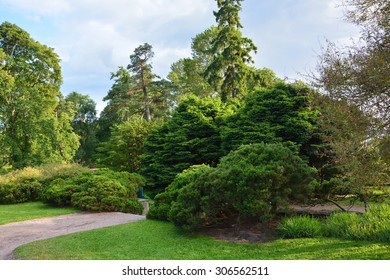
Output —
(84, 125)
(360, 73)
(34, 119)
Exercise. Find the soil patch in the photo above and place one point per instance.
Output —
(251, 231)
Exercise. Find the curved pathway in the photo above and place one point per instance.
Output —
(15, 234)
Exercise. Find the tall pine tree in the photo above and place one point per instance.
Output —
(229, 70)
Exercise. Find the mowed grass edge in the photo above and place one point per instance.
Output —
(155, 240)
(10, 213)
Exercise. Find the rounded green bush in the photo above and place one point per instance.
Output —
(132, 205)
(100, 193)
(252, 182)
(19, 192)
(163, 201)
(60, 192)
(28, 184)
(103, 190)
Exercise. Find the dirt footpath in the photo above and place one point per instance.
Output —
(15, 234)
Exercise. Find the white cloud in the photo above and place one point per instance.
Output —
(41, 7)
(94, 37)
(289, 34)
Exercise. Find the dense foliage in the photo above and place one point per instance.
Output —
(219, 142)
(102, 190)
(348, 162)
(280, 113)
(253, 181)
(84, 125)
(189, 137)
(27, 184)
(359, 75)
(35, 120)
(123, 149)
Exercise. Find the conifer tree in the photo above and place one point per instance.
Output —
(229, 70)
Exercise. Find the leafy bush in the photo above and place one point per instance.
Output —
(54, 171)
(27, 184)
(103, 190)
(20, 192)
(300, 227)
(192, 207)
(99, 193)
(60, 192)
(259, 179)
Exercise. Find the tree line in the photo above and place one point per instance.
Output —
(210, 105)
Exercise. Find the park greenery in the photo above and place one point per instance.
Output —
(157, 240)
(217, 142)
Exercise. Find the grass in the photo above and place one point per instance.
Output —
(373, 225)
(31, 210)
(300, 227)
(155, 240)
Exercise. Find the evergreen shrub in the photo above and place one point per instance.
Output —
(251, 182)
(103, 190)
(27, 184)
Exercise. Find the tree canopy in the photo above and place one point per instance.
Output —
(360, 73)
(280, 113)
(34, 117)
(84, 125)
(189, 137)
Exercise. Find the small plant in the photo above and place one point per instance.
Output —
(300, 227)
(373, 225)
(340, 225)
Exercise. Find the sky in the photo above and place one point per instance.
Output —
(94, 37)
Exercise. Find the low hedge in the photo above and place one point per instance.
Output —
(27, 184)
(103, 190)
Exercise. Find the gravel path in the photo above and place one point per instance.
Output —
(15, 234)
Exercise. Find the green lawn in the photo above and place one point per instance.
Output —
(156, 240)
(31, 210)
